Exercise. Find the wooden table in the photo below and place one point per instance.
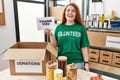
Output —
(82, 75)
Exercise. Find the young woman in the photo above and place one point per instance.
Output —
(71, 38)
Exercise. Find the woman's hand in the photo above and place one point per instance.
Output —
(53, 41)
(48, 31)
(87, 67)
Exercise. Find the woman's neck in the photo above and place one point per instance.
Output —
(70, 23)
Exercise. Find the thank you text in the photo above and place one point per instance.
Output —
(45, 22)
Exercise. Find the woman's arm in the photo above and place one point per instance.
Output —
(85, 55)
(53, 40)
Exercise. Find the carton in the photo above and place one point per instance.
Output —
(94, 55)
(116, 59)
(29, 58)
(106, 57)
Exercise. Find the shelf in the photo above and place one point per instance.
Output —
(98, 39)
(106, 68)
(103, 30)
(106, 48)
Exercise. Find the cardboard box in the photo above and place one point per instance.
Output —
(54, 11)
(94, 55)
(116, 59)
(93, 58)
(105, 57)
(29, 58)
(94, 51)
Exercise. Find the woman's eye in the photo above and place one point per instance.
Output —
(68, 10)
(71, 10)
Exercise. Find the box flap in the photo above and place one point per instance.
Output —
(31, 45)
(31, 54)
(52, 49)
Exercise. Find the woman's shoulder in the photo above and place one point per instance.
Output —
(60, 25)
(81, 26)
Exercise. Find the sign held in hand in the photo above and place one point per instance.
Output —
(45, 22)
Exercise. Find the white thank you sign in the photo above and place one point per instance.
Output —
(45, 22)
(113, 41)
(28, 66)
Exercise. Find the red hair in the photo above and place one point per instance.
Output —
(78, 18)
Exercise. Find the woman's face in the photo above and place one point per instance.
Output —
(70, 14)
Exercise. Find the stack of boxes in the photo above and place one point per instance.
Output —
(104, 57)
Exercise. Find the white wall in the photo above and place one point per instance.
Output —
(7, 32)
(112, 5)
(109, 5)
